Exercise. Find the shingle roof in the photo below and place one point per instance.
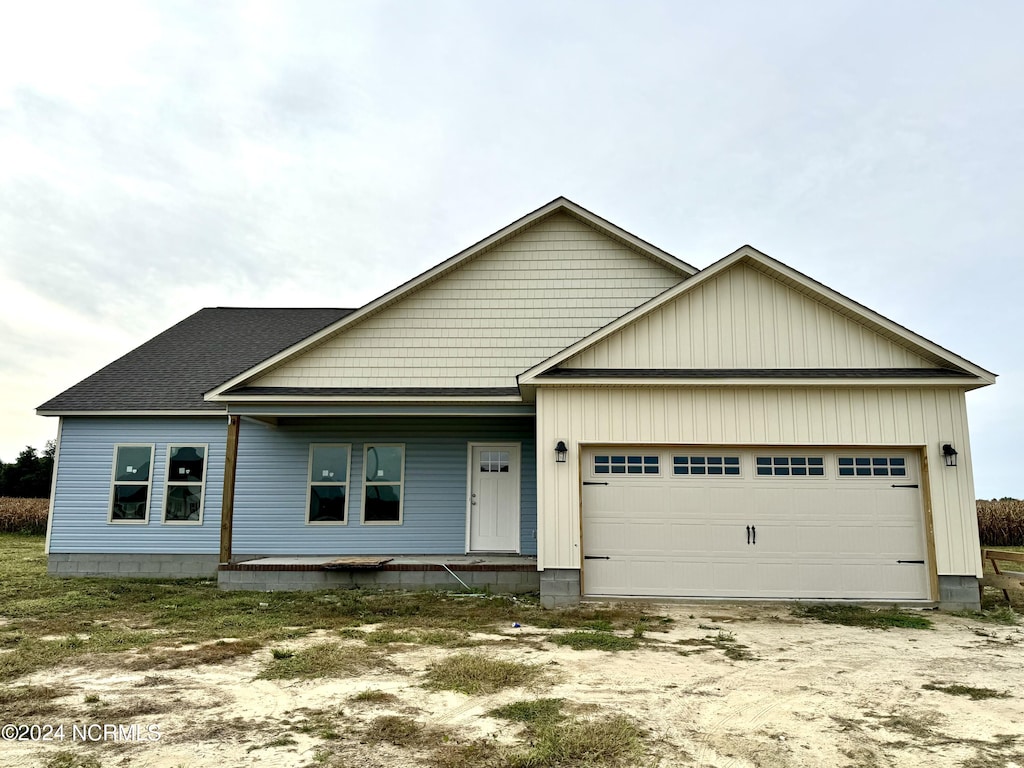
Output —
(172, 371)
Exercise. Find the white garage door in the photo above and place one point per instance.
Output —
(721, 522)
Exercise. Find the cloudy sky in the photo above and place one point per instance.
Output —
(156, 158)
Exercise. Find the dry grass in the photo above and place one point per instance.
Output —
(326, 660)
(473, 674)
(1001, 523)
(23, 515)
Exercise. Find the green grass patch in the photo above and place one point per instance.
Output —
(595, 641)
(472, 673)
(445, 638)
(610, 741)
(67, 758)
(28, 701)
(531, 711)
(218, 652)
(859, 616)
(975, 694)
(996, 614)
(374, 696)
(400, 730)
(326, 660)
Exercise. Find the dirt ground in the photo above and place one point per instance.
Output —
(748, 685)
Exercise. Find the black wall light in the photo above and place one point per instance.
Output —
(561, 451)
(949, 454)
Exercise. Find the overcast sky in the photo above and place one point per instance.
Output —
(156, 158)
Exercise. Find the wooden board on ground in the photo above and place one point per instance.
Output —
(356, 563)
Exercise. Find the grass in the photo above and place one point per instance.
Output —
(218, 652)
(859, 616)
(473, 674)
(722, 641)
(609, 741)
(67, 758)
(596, 641)
(23, 516)
(400, 731)
(975, 694)
(29, 701)
(374, 696)
(326, 660)
(531, 711)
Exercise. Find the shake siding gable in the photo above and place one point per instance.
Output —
(744, 318)
(491, 318)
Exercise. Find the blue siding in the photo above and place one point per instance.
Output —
(83, 486)
(270, 491)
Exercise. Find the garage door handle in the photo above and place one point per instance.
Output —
(748, 535)
(753, 534)
(591, 482)
(911, 562)
(596, 557)
(904, 486)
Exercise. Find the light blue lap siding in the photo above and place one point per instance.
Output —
(271, 484)
(83, 486)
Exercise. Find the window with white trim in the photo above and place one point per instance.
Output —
(626, 464)
(130, 484)
(706, 465)
(790, 466)
(327, 500)
(872, 466)
(185, 488)
(384, 469)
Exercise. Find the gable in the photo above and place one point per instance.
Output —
(744, 318)
(493, 316)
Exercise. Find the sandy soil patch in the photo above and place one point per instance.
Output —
(790, 692)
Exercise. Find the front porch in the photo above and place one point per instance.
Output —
(512, 574)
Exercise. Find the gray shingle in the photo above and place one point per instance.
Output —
(172, 371)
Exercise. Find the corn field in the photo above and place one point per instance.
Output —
(23, 515)
(1001, 523)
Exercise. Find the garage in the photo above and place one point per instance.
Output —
(714, 521)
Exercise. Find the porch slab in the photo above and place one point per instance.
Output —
(392, 563)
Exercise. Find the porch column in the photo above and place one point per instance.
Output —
(227, 504)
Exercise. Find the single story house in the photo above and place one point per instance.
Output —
(561, 406)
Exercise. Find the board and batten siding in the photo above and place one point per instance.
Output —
(789, 416)
(273, 466)
(82, 500)
(744, 318)
(490, 319)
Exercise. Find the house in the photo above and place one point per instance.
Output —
(562, 407)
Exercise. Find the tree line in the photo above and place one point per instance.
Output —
(28, 476)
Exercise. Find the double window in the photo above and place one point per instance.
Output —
(130, 487)
(186, 483)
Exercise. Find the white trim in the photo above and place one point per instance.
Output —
(367, 483)
(557, 205)
(168, 483)
(347, 485)
(53, 486)
(514, 451)
(748, 254)
(476, 399)
(114, 482)
(205, 412)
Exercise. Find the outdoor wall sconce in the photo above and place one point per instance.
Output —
(561, 451)
(949, 454)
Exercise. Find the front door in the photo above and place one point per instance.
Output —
(494, 498)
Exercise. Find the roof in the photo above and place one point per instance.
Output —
(940, 357)
(556, 206)
(171, 371)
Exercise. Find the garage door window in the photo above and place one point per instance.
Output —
(626, 465)
(790, 466)
(872, 466)
(706, 465)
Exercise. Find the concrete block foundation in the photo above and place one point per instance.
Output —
(559, 587)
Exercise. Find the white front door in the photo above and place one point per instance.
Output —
(493, 498)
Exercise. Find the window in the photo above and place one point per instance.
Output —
(790, 466)
(328, 484)
(626, 465)
(186, 481)
(129, 492)
(494, 461)
(872, 466)
(706, 465)
(382, 497)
